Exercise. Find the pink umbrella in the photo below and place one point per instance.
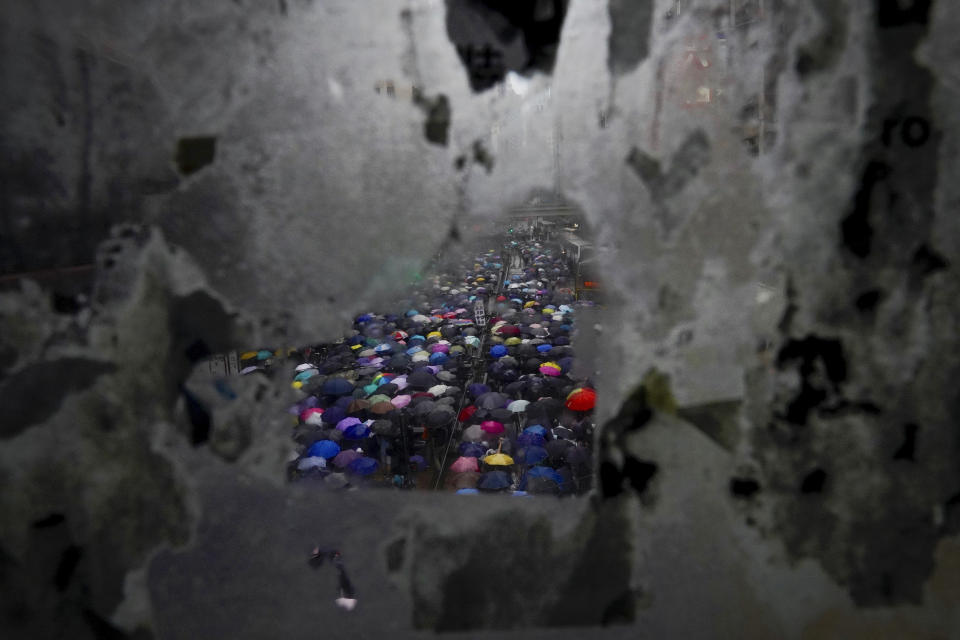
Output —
(400, 401)
(439, 348)
(464, 463)
(491, 426)
(401, 382)
(346, 423)
(311, 415)
(344, 458)
(550, 369)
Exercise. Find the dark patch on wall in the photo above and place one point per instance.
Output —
(26, 395)
(200, 420)
(67, 566)
(436, 126)
(51, 520)
(395, 553)
(482, 156)
(744, 488)
(822, 367)
(897, 13)
(460, 162)
(907, 449)
(195, 153)
(823, 51)
(814, 481)
(926, 261)
(868, 300)
(494, 37)
(628, 43)
(857, 233)
(692, 155)
(717, 420)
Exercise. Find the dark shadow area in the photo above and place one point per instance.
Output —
(494, 37)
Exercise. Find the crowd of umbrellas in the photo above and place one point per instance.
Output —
(484, 404)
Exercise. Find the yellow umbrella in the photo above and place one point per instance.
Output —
(246, 355)
(499, 459)
(434, 334)
(481, 279)
(532, 303)
(512, 341)
(296, 384)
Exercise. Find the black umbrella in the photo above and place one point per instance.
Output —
(494, 481)
(492, 400)
(441, 415)
(421, 379)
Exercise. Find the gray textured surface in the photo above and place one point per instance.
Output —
(783, 255)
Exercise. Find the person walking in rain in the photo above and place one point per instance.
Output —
(346, 594)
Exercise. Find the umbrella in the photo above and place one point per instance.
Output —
(333, 415)
(345, 457)
(311, 462)
(518, 406)
(323, 449)
(400, 401)
(509, 330)
(474, 433)
(498, 459)
(464, 480)
(381, 408)
(536, 429)
(346, 423)
(356, 432)
(464, 463)
(466, 413)
(476, 389)
(337, 387)
(441, 415)
(471, 450)
(384, 427)
(551, 369)
(530, 439)
(467, 491)
(421, 379)
(492, 427)
(492, 400)
(363, 466)
(541, 485)
(494, 481)
(437, 390)
(358, 405)
(313, 415)
(581, 399)
(534, 455)
(557, 449)
(380, 397)
(418, 462)
(305, 374)
(498, 351)
(544, 472)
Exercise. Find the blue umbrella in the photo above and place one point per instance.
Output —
(545, 472)
(498, 351)
(467, 492)
(417, 337)
(472, 450)
(364, 318)
(304, 375)
(522, 494)
(438, 358)
(352, 340)
(263, 354)
(477, 389)
(414, 349)
(337, 387)
(333, 415)
(385, 347)
(323, 449)
(530, 439)
(356, 432)
(344, 403)
(363, 466)
(534, 455)
(536, 428)
(543, 348)
(412, 312)
(419, 461)
(494, 481)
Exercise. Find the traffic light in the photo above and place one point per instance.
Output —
(510, 230)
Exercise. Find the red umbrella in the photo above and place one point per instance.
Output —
(466, 413)
(509, 330)
(491, 426)
(501, 298)
(581, 399)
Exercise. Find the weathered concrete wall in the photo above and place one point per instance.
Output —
(770, 185)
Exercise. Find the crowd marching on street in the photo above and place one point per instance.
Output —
(467, 386)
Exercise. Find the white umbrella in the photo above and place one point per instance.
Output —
(518, 406)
